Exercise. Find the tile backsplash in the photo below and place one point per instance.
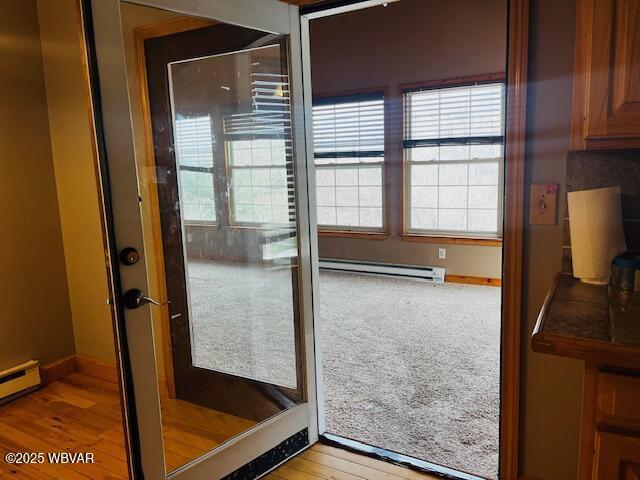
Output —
(589, 170)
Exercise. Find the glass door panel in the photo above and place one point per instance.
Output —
(241, 248)
(223, 227)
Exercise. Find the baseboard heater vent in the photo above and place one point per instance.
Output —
(431, 274)
(19, 380)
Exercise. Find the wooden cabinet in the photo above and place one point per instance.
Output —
(617, 457)
(610, 438)
(606, 89)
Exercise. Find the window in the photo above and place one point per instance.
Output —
(259, 181)
(259, 155)
(348, 137)
(194, 152)
(453, 149)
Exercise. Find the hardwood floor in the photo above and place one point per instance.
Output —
(82, 414)
(330, 463)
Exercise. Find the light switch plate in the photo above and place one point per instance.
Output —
(543, 208)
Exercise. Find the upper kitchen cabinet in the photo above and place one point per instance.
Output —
(606, 96)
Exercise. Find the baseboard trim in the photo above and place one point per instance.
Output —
(90, 366)
(59, 369)
(469, 280)
(93, 367)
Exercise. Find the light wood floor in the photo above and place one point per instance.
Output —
(82, 414)
(330, 463)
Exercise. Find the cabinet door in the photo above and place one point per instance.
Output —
(607, 84)
(617, 457)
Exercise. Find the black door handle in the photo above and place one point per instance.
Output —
(136, 298)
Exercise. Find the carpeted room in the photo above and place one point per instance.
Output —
(408, 365)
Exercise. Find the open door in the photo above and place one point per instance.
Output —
(223, 186)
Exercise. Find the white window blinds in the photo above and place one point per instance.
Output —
(345, 127)
(469, 114)
(349, 138)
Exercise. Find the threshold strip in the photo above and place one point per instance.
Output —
(397, 458)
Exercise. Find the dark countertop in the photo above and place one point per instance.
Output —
(592, 322)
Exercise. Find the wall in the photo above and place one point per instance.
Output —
(551, 386)
(76, 180)
(407, 42)
(35, 321)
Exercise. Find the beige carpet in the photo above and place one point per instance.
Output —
(408, 366)
(413, 367)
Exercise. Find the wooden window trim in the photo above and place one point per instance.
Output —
(453, 82)
(447, 240)
(366, 234)
(193, 224)
(363, 232)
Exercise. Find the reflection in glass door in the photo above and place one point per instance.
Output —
(240, 263)
(220, 117)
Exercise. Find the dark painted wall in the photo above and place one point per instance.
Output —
(407, 42)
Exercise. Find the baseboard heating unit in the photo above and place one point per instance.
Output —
(19, 380)
(431, 274)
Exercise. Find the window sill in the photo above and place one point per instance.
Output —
(485, 242)
(353, 234)
(202, 225)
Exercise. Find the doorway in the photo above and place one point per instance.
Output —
(141, 335)
(410, 171)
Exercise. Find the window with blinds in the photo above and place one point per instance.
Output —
(454, 149)
(194, 155)
(348, 138)
(259, 155)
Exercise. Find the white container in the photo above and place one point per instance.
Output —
(597, 236)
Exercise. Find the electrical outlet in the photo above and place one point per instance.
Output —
(442, 253)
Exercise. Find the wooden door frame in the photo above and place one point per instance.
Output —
(517, 68)
(140, 35)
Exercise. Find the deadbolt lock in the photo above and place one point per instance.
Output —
(129, 256)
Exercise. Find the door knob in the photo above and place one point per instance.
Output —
(135, 298)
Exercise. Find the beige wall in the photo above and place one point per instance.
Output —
(76, 181)
(407, 42)
(551, 386)
(35, 322)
